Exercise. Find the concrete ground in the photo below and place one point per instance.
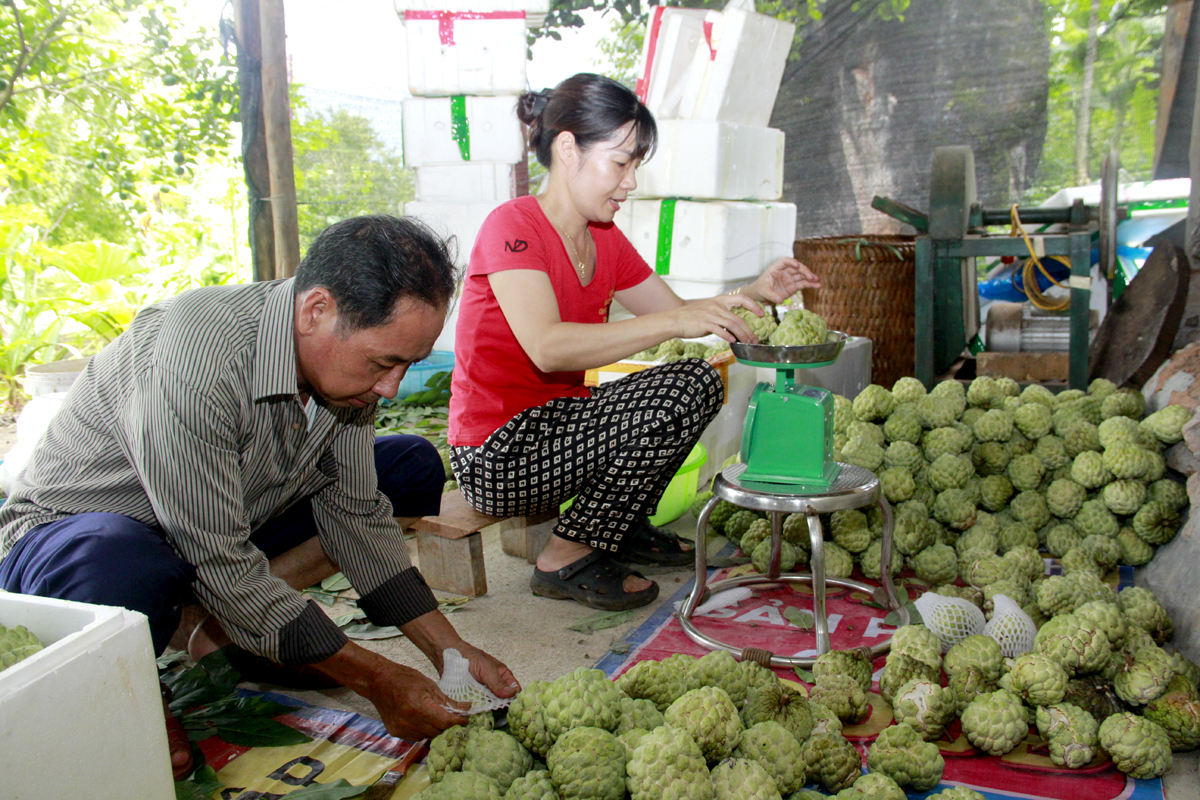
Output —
(531, 634)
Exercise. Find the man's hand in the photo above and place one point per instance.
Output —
(410, 704)
(490, 672)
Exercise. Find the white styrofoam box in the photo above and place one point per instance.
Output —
(704, 159)
(723, 436)
(465, 52)
(847, 376)
(714, 240)
(472, 182)
(535, 10)
(32, 422)
(671, 39)
(736, 76)
(453, 130)
(85, 707)
(460, 220)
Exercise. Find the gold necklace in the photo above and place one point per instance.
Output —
(580, 264)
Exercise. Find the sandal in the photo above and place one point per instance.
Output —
(649, 544)
(596, 581)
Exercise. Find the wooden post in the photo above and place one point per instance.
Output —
(1179, 15)
(254, 141)
(277, 113)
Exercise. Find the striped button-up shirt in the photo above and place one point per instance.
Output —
(190, 422)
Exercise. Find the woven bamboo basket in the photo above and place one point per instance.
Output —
(867, 285)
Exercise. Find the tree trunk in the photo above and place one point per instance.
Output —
(1083, 114)
(254, 141)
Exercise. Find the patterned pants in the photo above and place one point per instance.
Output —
(615, 452)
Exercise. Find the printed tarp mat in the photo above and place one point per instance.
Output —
(760, 622)
(344, 745)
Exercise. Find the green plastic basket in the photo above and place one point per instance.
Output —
(680, 493)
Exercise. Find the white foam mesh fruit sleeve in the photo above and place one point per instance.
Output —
(459, 685)
(1011, 627)
(952, 619)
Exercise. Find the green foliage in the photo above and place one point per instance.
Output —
(343, 169)
(1124, 99)
(117, 187)
(101, 102)
(435, 393)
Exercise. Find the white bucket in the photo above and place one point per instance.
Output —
(57, 376)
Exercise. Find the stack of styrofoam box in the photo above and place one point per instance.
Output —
(86, 706)
(466, 66)
(706, 214)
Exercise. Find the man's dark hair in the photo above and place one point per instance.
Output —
(369, 264)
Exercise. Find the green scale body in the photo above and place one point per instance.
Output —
(788, 434)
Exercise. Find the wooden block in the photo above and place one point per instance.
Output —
(1036, 367)
(453, 564)
(524, 537)
(457, 519)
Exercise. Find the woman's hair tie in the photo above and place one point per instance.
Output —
(540, 99)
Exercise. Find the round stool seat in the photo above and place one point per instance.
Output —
(854, 487)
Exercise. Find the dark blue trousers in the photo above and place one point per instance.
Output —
(114, 560)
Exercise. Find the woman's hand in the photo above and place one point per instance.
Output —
(715, 315)
(780, 281)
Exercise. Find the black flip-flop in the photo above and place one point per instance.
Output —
(596, 581)
(649, 544)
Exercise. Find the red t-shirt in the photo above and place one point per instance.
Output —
(494, 379)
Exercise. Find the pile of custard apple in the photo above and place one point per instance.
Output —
(1096, 685)
(987, 479)
(683, 728)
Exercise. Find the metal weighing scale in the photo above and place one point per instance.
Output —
(787, 450)
(787, 439)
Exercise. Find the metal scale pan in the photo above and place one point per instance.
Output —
(803, 356)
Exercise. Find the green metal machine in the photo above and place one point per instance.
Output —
(954, 233)
(787, 439)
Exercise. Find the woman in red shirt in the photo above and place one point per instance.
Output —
(526, 434)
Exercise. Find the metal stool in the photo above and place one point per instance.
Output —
(854, 488)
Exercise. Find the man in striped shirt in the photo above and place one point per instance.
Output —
(222, 452)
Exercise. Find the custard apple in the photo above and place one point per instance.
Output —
(872, 786)
(718, 668)
(762, 327)
(832, 761)
(843, 695)
(874, 403)
(777, 751)
(900, 753)
(533, 785)
(499, 756)
(926, 706)
(995, 722)
(667, 765)
(463, 786)
(1142, 609)
(1139, 747)
(710, 717)
(1179, 716)
(853, 663)
(743, 779)
(1070, 732)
